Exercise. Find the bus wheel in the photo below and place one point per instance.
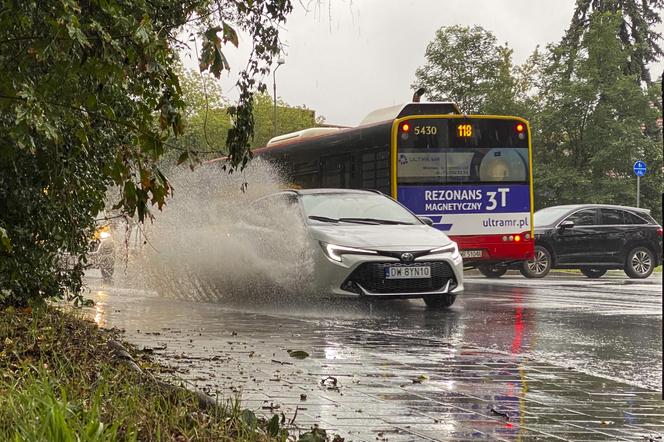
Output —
(492, 271)
(439, 301)
(539, 266)
(593, 272)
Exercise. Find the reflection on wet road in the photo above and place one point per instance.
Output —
(556, 358)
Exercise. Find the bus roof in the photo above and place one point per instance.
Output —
(402, 110)
(305, 133)
(377, 116)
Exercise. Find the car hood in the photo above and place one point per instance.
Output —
(382, 237)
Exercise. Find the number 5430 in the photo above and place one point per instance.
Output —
(425, 130)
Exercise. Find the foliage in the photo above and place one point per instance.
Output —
(636, 31)
(289, 119)
(60, 383)
(591, 113)
(89, 96)
(467, 66)
(208, 122)
(595, 121)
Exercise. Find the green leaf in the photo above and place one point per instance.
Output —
(183, 157)
(130, 191)
(150, 144)
(315, 435)
(249, 418)
(273, 426)
(4, 240)
(230, 35)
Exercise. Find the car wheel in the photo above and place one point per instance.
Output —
(593, 272)
(439, 301)
(640, 262)
(492, 271)
(539, 266)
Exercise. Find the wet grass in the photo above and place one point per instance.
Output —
(59, 382)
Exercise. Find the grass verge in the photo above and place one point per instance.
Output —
(60, 382)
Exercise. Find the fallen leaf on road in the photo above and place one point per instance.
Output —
(500, 413)
(298, 354)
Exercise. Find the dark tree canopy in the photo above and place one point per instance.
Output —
(636, 31)
(592, 107)
(596, 118)
(462, 65)
(89, 96)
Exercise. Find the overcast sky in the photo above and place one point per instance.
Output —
(345, 58)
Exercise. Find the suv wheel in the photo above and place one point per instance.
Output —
(492, 271)
(539, 266)
(640, 262)
(439, 301)
(593, 272)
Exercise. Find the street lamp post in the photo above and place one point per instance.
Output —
(280, 61)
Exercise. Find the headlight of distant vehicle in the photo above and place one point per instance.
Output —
(334, 252)
(451, 248)
(103, 232)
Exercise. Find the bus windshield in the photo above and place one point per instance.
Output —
(462, 151)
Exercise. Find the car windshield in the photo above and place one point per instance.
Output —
(357, 208)
(545, 217)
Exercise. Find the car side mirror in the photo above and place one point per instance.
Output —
(566, 225)
(426, 220)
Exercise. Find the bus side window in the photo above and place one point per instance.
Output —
(306, 174)
(375, 170)
(335, 171)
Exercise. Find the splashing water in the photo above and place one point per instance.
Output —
(211, 244)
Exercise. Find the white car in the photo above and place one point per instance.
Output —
(363, 243)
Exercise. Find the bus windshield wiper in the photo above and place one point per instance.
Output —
(373, 221)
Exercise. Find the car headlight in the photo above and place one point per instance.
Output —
(103, 232)
(452, 248)
(334, 252)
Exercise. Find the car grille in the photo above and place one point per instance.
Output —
(371, 276)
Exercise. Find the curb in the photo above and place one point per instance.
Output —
(122, 356)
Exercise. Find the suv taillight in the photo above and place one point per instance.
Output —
(659, 231)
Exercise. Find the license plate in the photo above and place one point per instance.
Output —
(471, 253)
(414, 272)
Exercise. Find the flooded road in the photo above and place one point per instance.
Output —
(560, 358)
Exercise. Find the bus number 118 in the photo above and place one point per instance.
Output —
(464, 130)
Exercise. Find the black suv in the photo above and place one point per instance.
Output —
(595, 238)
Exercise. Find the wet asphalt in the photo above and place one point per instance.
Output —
(497, 365)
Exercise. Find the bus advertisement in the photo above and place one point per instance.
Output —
(470, 174)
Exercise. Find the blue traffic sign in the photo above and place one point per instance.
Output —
(639, 168)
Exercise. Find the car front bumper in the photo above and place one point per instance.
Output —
(340, 278)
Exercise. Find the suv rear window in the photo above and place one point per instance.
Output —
(633, 218)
